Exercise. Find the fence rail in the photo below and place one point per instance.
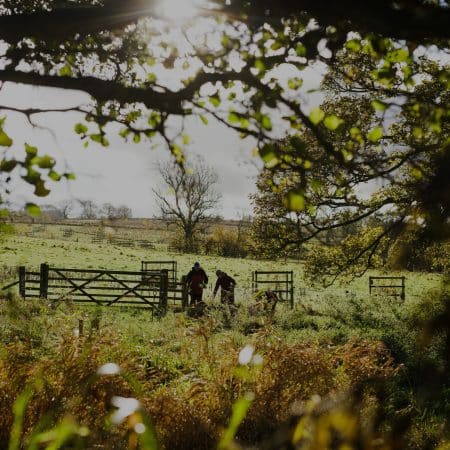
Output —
(150, 289)
(393, 290)
(9, 286)
(280, 282)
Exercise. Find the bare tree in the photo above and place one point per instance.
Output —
(116, 212)
(89, 209)
(124, 212)
(65, 207)
(187, 197)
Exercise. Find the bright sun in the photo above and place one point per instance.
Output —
(178, 10)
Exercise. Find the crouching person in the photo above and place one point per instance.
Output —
(226, 285)
(266, 302)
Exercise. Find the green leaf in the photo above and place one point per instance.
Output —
(266, 123)
(7, 165)
(295, 200)
(316, 116)
(137, 138)
(31, 151)
(124, 132)
(214, 100)
(377, 105)
(40, 190)
(268, 154)
(276, 45)
(204, 119)
(354, 45)
(22, 400)
(225, 41)
(46, 162)
(55, 176)
(100, 139)
(332, 122)
(233, 117)
(5, 140)
(348, 156)
(32, 209)
(245, 123)
(176, 150)
(300, 49)
(375, 135)
(238, 414)
(416, 173)
(66, 71)
(80, 128)
(418, 133)
(259, 64)
(295, 83)
(186, 139)
(400, 55)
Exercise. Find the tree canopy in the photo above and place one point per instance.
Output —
(244, 63)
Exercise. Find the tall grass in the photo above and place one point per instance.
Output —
(339, 373)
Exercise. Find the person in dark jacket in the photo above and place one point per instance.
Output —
(226, 284)
(196, 280)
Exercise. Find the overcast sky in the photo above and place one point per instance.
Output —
(123, 173)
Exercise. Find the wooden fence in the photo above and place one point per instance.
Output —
(280, 282)
(170, 266)
(103, 287)
(391, 286)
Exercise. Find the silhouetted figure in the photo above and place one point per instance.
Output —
(226, 284)
(196, 280)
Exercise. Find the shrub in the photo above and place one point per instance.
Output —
(226, 242)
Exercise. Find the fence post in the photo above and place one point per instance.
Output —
(255, 281)
(22, 281)
(184, 292)
(80, 327)
(43, 286)
(402, 295)
(163, 287)
(291, 291)
(95, 324)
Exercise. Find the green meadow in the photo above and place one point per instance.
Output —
(224, 380)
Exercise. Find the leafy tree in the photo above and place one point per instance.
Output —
(275, 230)
(187, 198)
(378, 150)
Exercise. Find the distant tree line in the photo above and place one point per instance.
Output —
(85, 209)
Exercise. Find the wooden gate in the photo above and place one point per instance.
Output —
(96, 287)
(170, 266)
(391, 286)
(280, 282)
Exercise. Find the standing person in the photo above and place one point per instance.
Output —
(226, 284)
(196, 280)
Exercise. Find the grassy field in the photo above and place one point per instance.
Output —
(222, 381)
(83, 254)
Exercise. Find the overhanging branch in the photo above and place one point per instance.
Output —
(413, 20)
